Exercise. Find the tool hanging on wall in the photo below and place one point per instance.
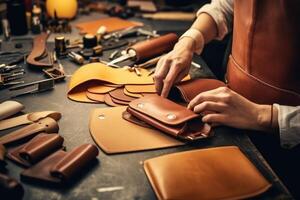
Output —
(39, 52)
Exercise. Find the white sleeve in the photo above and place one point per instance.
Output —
(289, 125)
(222, 13)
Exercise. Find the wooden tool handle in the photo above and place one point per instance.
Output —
(154, 47)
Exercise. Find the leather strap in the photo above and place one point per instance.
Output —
(47, 125)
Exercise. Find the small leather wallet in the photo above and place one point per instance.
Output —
(61, 166)
(169, 117)
(215, 173)
(36, 149)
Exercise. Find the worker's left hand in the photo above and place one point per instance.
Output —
(223, 106)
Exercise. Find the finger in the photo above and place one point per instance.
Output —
(209, 106)
(170, 79)
(160, 74)
(180, 76)
(204, 96)
(214, 118)
(215, 124)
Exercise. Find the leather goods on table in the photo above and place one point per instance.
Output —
(39, 52)
(61, 166)
(169, 117)
(36, 149)
(119, 94)
(186, 91)
(101, 89)
(9, 108)
(264, 65)
(10, 188)
(113, 134)
(47, 125)
(95, 97)
(137, 89)
(2, 155)
(111, 23)
(28, 119)
(134, 95)
(214, 173)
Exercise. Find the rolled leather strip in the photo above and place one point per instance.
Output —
(28, 119)
(9, 108)
(186, 91)
(10, 188)
(47, 125)
(169, 117)
(154, 47)
(74, 161)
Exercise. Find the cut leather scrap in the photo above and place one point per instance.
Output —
(9, 108)
(187, 90)
(61, 166)
(141, 88)
(131, 94)
(108, 101)
(96, 73)
(119, 94)
(111, 23)
(119, 102)
(28, 119)
(95, 97)
(205, 174)
(126, 136)
(100, 89)
(47, 125)
(169, 117)
(36, 149)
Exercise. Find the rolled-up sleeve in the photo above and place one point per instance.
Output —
(289, 125)
(222, 13)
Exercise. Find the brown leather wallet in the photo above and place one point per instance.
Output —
(169, 117)
(36, 149)
(186, 91)
(214, 173)
(61, 166)
(10, 188)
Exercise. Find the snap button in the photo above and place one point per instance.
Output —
(171, 116)
(101, 116)
(140, 105)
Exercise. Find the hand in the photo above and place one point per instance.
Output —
(223, 106)
(174, 66)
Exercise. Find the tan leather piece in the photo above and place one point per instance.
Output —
(140, 88)
(108, 101)
(266, 49)
(127, 136)
(9, 108)
(214, 173)
(119, 94)
(28, 119)
(61, 166)
(100, 89)
(119, 102)
(137, 95)
(47, 125)
(96, 73)
(111, 24)
(95, 97)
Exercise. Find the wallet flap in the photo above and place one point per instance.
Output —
(73, 161)
(162, 110)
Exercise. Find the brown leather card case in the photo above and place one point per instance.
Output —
(214, 173)
(113, 134)
(186, 91)
(47, 125)
(61, 166)
(169, 117)
(36, 149)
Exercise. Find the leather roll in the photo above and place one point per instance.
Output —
(169, 117)
(9, 108)
(74, 161)
(10, 188)
(47, 125)
(154, 47)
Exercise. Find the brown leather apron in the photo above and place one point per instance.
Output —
(265, 62)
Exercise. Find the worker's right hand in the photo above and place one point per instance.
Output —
(174, 66)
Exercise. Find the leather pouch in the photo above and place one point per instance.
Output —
(186, 91)
(36, 149)
(214, 173)
(169, 117)
(113, 134)
(61, 166)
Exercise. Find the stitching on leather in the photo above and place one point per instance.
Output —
(260, 81)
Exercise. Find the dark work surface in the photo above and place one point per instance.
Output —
(122, 170)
